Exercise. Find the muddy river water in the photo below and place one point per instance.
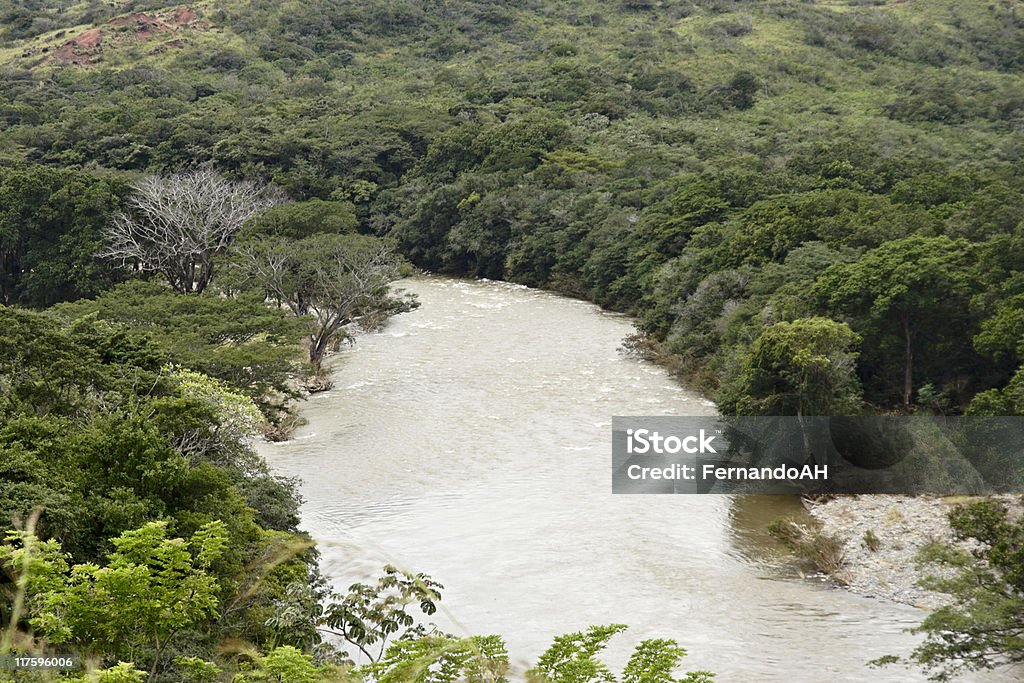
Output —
(470, 440)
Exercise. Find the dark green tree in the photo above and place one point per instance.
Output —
(983, 625)
(803, 367)
(916, 290)
(51, 224)
(297, 220)
(238, 339)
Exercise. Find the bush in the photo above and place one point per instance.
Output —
(823, 552)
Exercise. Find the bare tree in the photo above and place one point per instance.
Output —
(179, 225)
(328, 280)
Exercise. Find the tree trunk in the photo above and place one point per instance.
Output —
(316, 355)
(317, 348)
(156, 657)
(908, 365)
(202, 280)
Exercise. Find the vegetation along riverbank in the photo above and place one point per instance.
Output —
(811, 207)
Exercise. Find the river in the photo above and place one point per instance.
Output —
(470, 440)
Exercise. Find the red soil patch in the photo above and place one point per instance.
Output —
(138, 18)
(182, 16)
(85, 49)
(80, 50)
(90, 40)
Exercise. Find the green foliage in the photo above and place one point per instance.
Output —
(287, 664)
(106, 439)
(624, 153)
(763, 184)
(654, 661)
(912, 295)
(1002, 335)
(441, 659)
(520, 143)
(197, 670)
(122, 672)
(572, 658)
(44, 370)
(981, 627)
(151, 588)
(327, 281)
(804, 367)
(368, 616)
(237, 416)
(298, 220)
(51, 224)
(1008, 400)
(238, 340)
(107, 475)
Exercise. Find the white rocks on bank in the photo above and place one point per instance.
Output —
(901, 525)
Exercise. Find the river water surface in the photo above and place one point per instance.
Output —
(471, 440)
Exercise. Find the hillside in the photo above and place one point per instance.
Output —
(696, 163)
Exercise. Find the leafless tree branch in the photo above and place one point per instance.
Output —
(181, 224)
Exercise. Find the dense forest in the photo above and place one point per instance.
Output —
(811, 207)
(713, 167)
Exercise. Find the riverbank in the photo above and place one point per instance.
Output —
(881, 537)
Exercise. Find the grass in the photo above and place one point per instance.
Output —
(805, 539)
(871, 541)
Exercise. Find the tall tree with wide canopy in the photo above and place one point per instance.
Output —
(915, 290)
(181, 224)
(803, 367)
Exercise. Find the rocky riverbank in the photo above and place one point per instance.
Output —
(881, 537)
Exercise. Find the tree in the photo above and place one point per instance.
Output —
(284, 664)
(983, 625)
(302, 219)
(1008, 400)
(916, 289)
(441, 659)
(42, 370)
(655, 660)
(327, 280)
(51, 224)
(520, 143)
(124, 672)
(368, 616)
(572, 659)
(237, 417)
(804, 367)
(1002, 335)
(180, 225)
(742, 88)
(239, 339)
(152, 588)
